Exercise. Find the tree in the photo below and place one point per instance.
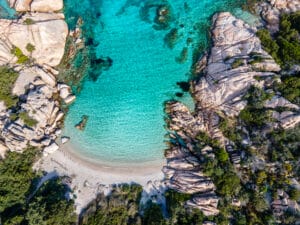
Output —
(153, 215)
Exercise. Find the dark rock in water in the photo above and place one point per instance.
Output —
(183, 56)
(171, 38)
(81, 125)
(105, 62)
(89, 41)
(179, 94)
(185, 86)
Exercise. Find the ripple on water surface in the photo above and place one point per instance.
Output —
(125, 104)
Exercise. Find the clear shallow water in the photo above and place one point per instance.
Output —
(5, 11)
(125, 104)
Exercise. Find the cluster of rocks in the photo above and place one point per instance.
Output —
(183, 170)
(40, 96)
(234, 64)
(271, 10)
(284, 203)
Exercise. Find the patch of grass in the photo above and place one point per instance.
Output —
(7, 79)
(29, 21)
(22, 59)
(30, 122)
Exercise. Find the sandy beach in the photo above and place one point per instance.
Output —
(90, 178)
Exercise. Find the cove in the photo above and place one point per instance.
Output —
(125, 104)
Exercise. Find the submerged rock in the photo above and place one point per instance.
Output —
(65, 139)
(81, 125)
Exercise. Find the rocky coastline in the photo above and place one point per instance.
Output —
(235, 62)
(226, 74)
(41, 25)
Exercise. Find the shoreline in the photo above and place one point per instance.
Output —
(90, 179)
(98, 164)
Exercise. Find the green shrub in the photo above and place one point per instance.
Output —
(28, 121)
(290, 88)
(29, 21)
(30, 47)
(237, 63)
(153, 215)
(8, 78)
(269, 44)
(284, 47)
(22, 59)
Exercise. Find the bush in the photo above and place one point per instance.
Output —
(8, 78)
(285, 46)
(29, 21)
(269, 44)
(237, 63)
(30, 47)
(153, 215)
(290, 88)
(28, 121)
(22, 59)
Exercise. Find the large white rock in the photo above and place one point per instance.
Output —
(47, 34)
(271, 10)
(225, 83)
(46, 5)
(36, 5)
(51, 148)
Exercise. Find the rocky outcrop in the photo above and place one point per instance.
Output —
(36, 86)
(46, 32)
(235, 62)
(271, 10)
(183, 170)
(36, 5)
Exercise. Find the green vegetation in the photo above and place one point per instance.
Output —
(30, 122)
(7, 79)
(289, 87)
(220, 169)
(254, 114)
(284, 47)
(153, 215)
(237, 63)
(229, 129)
(30, 47)
(29, 21)
(22, 59)
(17, 181)
(119, 208)
(178, 214)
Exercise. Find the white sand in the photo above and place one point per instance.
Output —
(88, 178)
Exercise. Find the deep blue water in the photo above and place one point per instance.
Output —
(125, 104)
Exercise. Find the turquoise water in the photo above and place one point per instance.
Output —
(125, 104)
(5, 11)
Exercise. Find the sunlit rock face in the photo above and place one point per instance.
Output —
(272, 9)
(36, 5)
(46, 32)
